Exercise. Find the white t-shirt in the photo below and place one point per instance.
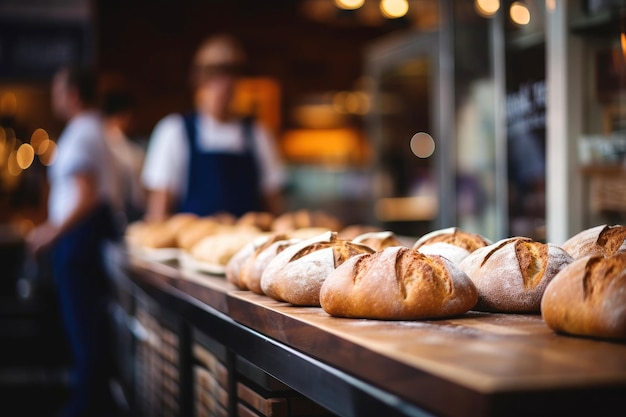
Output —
(167, 157)
(81, 149)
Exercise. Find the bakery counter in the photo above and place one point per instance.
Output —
(477, 364)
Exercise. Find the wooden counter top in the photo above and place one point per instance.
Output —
(477, 364)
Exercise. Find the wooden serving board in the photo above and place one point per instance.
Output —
(480, 362)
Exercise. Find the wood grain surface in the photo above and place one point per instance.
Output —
(478, 364)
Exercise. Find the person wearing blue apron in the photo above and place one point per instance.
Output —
(210, 160)
(81, 219)
(221, 181)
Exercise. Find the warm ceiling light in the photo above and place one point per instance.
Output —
(393, 9)
(25, 155)
(519, 13)
(38, 137)
(487, 8)
(349, 4)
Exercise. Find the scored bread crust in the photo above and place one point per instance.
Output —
(453, 236)
(296, 274)
(397, 283)
(253, 269)
(239, 261)
(599, 240)
(378, 240)
(511, 275)
(453, 252)
(588, 298)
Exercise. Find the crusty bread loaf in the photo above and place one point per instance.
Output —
(452, 252)
(299, 219)
(260, 219)
(296, 274)
(378, 240)
(588, 298)
(354, 230)
(512, 274)
(154, 235)
(397, 283)
(600, 240)
(253, 270)
(241, 258)
(191, 233)
(453, 236)
(219, 249)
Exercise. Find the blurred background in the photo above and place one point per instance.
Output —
(411, 115)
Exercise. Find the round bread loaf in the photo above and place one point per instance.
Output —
(512, 274)
(192, 233)
(454, 253)
(600, 240)
(588, 298)
(157, 235)
(354, 230)
(253, 270)
(239, 261)
(453, 236)
(296, 274)
(299, 219)
(397, 283)
(378, 240)
(219, 249)
(260, 219)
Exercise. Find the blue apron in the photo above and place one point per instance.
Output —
(221, 181)
(82, 285)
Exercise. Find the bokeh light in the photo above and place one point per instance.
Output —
(349, 4)
(38, 137)
(519, 13)
(393, 9)
(487, 8)
(25, 155)
(422, 145)
(48, 156)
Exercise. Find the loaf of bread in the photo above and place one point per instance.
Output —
(260, 219)
(296, 274)
(512, 274)
(219, 249)
(588, 298)
(397, 283)
(252, 272)
(193, 232)
(378, 240)
(354, 230)
(452, 252)
(600, 240)
(239, 265)
(299, 219)
(453, 236)
(239, 260)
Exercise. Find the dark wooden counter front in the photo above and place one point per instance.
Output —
(475, 365)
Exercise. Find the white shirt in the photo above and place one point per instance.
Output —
(81, 149)
(167, 157)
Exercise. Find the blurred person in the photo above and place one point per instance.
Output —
(79, 221)
(117, 110)
(210, 160)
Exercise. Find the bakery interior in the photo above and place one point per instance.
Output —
(501, 118)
